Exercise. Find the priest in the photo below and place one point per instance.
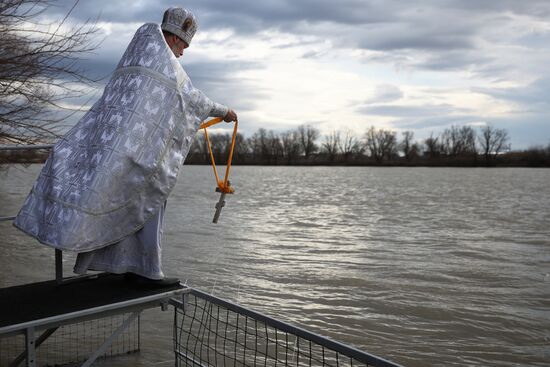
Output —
(102, 191)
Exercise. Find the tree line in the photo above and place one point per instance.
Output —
(455, 146)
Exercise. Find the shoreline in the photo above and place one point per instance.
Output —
(508, 160)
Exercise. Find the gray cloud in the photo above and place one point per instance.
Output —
(423, 118)
(451, 21)
(420, 31)
(409, 111)
(535, 94)
(434, 123)
(237, 14)
(430, 34)
(314, 54)
(212, 71)
(385, 93)
(295, 44)
(217, 80)
(535, 8)
(98, 68)
(455, 60)
(276, 13)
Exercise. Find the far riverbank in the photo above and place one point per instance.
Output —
(533, 157)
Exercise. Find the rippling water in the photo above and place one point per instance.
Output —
(424, 266)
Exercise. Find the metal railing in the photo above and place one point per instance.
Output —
(209, 331)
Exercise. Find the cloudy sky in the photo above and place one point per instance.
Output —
(349, 64)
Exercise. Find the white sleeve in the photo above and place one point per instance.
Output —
(218, 110)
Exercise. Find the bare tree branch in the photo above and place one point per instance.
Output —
(39, 69)
(381, 144)
(493, 141)
(331, 144)
(307, 136)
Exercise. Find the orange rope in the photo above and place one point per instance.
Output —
(214, 121)
(224, 185)
(230, 159)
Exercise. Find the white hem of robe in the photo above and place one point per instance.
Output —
(139, 253)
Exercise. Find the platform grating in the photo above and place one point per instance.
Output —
(74, 343)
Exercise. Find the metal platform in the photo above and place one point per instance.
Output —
(27, 309)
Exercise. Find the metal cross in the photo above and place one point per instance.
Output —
(219, 205)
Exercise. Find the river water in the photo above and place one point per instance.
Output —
(423, 266)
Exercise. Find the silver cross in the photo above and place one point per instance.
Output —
(219, 205)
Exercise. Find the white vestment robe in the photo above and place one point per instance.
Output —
(104, 185)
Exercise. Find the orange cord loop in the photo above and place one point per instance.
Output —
(223, 186)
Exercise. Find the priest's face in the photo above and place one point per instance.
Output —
(177, 45)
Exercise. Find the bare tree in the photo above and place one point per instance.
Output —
(409, 148)
(258, 145)
(200, 147)
(450, 141)
(307, 136)
(265, 146)
(349, 145)
(468, 137)
(493, 141)
(381, 144)
(220, 143)
(458, 141)
(406, 144)
(331, 145)
(241, 148)
(433, 146)
(39, 70)
(290, 145)
(275, 148)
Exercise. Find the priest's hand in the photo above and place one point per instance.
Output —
(230, 116)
